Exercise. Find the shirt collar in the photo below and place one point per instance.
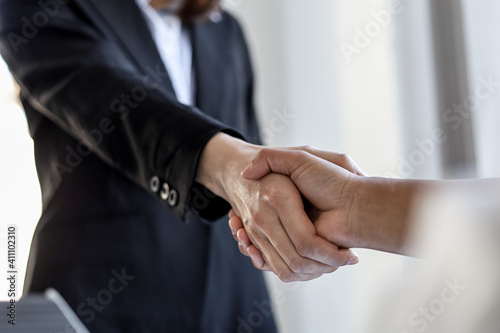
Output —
(174, 5)
(143, 3)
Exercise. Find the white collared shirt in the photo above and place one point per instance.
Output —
(174, 45)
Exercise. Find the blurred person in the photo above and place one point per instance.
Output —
(455, 289)
(140, 113)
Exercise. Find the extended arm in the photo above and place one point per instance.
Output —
(351, 211)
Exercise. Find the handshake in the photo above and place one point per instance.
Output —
(299, 211)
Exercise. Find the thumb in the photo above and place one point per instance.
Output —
(271, 160)
(342, 160)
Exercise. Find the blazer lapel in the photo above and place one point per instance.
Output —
(126, 20)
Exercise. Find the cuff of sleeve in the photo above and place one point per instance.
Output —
(177, 187)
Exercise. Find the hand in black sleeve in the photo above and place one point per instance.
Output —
(72, 73)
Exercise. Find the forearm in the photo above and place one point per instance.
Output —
(381, 209)
(222, 158)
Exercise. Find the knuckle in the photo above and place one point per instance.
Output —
(263, 154)
(286, 277)
(256, 220)
(344, 159)
(303, 154)
(273, 198)
(253, 233)
(308, 148)
(265, 151)
(304, 248)
(296, 265)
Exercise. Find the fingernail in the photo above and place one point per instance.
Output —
(353, 261)
(245, 170)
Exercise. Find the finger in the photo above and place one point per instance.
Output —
(354, 261)
(244, 240)
(235, 224)
(231, 213)
(282, 257)
(257, 259)
(258, 245)
(272, 160)
(287, 252)
(260, 263)
(342, 160)
(286, 161)
(288, 210)
(242, 249)
(304, 237)
(307, 277)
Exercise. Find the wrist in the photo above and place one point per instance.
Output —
(381, 212)
(223, 159)
(351, 204)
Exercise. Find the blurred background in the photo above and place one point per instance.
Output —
(409, 89)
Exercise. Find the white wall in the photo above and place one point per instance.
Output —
(20, 198)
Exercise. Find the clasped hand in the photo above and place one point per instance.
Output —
(312, 228)
(269, 202)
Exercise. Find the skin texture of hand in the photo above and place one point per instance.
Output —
(271, 210)
(315, 176)
(350, 211)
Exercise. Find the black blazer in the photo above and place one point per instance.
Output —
(116, 156)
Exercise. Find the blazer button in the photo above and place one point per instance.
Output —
(154, 184)
(165, 190)
(173, 198)
(216, 17)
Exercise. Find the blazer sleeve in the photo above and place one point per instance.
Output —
(82, 81)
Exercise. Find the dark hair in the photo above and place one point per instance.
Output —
(193, 10)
